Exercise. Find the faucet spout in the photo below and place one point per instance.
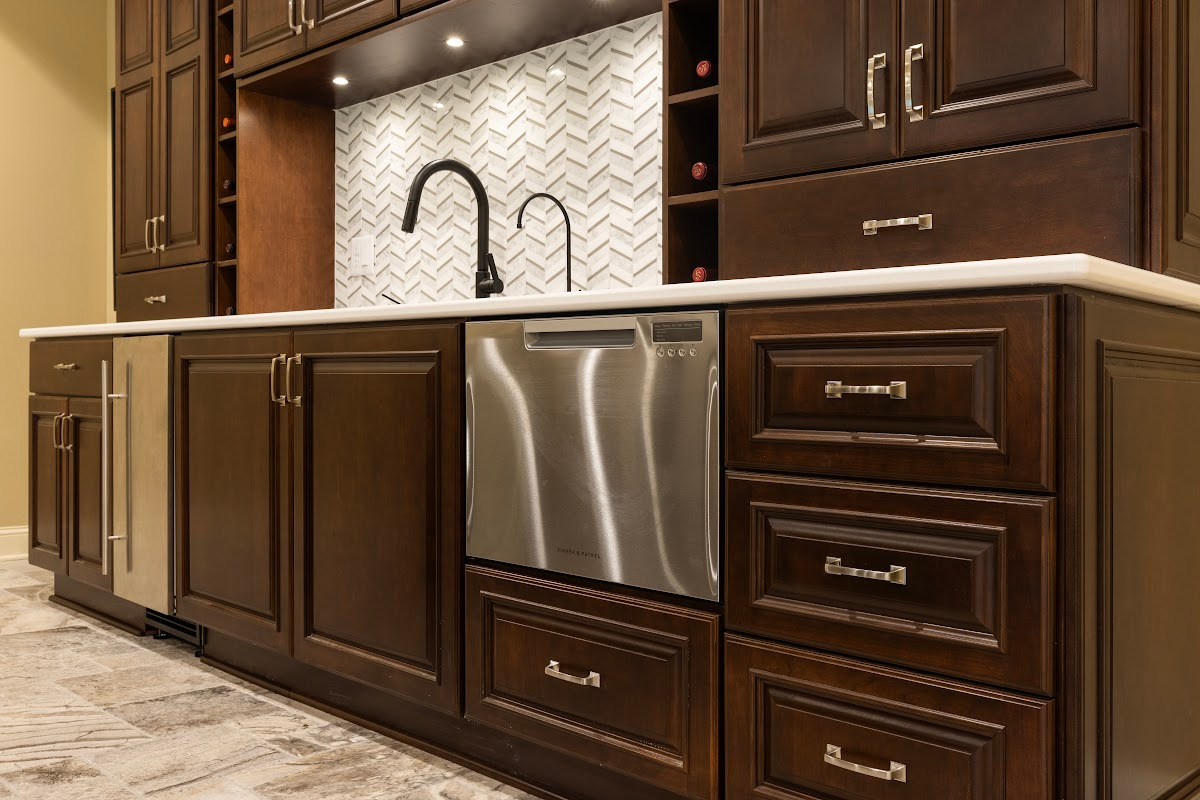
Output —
(487, 278)
(566, 218)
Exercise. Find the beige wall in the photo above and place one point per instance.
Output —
(54, 163)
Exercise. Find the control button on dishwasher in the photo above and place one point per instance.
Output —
(671, 351)
(692, 352)
(661, 352)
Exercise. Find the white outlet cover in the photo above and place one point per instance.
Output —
(362, 256)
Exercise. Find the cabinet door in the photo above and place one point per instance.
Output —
(337, 19)
(798, 83)
(47, 525)
(83, 441)
(185, 135)
(136, 41)
(136, 184)
(233, 546)
(1000, 72)
(266, 31)
(378, 527)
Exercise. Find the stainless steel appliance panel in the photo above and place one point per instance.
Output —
(593, 447)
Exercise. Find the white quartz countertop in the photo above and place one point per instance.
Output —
(1080, 271)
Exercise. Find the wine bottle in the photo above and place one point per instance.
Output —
(705, 69)
(227, 185)
(699, 171)
(228, 59)
(229, 248)
(700, 275)
(227, 122)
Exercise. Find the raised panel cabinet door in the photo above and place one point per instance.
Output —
(47, 521)
(811, 85)
(336, 19)
(984, 73)
(185, 135)
(136, 176)
(136, 28)
(266, 31)
(233, 543)
(378, 489)
(83, 436)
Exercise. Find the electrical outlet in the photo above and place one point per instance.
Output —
(362, 256)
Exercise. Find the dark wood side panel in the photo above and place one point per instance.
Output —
(285, 204)
(233, 542)
(68, 366)
(1076, 195)
(83, 437)
(978, 383)
(975, 598)
(1129, 520)
(785, 708)
(377, 495)
(651, 711)
(47, 520)
(164, 294)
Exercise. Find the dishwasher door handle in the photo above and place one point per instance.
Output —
(581, 334)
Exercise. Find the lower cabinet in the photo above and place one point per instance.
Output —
(805, 726)
(47, 482)
(318, 499)
(629, 684)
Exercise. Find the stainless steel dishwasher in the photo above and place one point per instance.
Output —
(593, 447)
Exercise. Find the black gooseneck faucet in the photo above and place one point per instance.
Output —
(487, 279)
(566, 217)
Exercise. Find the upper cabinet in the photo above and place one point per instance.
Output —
(163, 212)
(815, 85)
(267, 31)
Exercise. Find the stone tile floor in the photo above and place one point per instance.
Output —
(90, 713)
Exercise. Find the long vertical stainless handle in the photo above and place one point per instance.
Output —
(592, 678)
(105, 468)
(292, 19)
(914, 53)
(277, 362)
(303, 17)
(146, 235)
(294, 398)
(128, 453)
(875, 62)
(897, 771)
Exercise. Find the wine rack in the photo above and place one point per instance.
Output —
(225, 166)
(691, 92)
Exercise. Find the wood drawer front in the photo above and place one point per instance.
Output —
(653, 716)
(977, 596)
(68, 366)
(164, 294)
(1066, 196)
(784, 708)
(978, 382)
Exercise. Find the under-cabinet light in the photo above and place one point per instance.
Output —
(340, 81)
(455, 41)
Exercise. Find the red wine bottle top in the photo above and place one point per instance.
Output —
(226, 122)
(704, 69)
(699, 170)
(228, 58)
(699, 275)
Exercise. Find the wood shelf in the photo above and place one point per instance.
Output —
(227, 137)
(694, 97)
(227, 200)
(226, 10)
(225, 73)
(231, 262)
(693, 199)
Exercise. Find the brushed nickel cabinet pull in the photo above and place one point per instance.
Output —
(875, 62)
(897, 772)
(294, 398)
(156, 298)
(310, 23)
(921, 222)
(66, 421)
(292, 19)
(66, 367)
(277, 362)
(554, 671)
(916, 113)
(163, 220)
(897, 390)
(56, 431)
(146, 235)
(833, 566)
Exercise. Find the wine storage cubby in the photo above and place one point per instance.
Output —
(225, 166)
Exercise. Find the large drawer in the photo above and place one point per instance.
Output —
(68, 366)
(164, 294)
(967, 390)
(627, 684)
(1076, 195)
(803, 726)
(953, 582)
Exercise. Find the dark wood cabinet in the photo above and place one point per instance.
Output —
(163, 207)
(267, 31)
(232, 516)
(47, 477)
(376, 426)
(810, 84)
(82, 435)
(986, 73)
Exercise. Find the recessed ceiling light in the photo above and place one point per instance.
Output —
(340, 81)
(455, 41)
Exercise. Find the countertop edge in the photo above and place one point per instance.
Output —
(1076, 270)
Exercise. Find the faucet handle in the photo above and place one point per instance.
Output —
(493, 284)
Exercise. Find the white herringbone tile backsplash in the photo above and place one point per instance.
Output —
(580, 119)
